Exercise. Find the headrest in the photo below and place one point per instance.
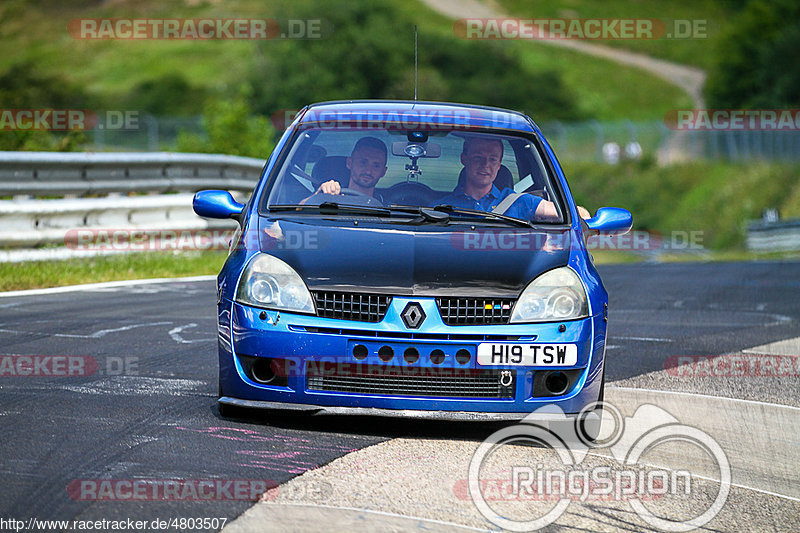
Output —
(332, 167)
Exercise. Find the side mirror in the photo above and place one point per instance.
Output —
(611, 221)
(216, 204)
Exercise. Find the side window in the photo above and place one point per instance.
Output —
(510, 161)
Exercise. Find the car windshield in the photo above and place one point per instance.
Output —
(472, 173)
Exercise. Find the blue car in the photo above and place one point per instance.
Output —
(411, 259)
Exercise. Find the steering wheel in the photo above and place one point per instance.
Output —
(363, 199)
(411, 193)
(352, 192)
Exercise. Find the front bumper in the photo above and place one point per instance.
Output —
(246, 332)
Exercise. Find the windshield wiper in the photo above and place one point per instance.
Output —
(333, 208)
(435, 215)
(449, 209)
(426, 214)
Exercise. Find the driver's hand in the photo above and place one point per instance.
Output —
(330, 187)
(583, 212)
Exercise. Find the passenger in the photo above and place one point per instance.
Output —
(482, 159)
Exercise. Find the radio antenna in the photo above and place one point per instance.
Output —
(415, 62)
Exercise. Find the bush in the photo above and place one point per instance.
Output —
(715, 198)
(169, 95)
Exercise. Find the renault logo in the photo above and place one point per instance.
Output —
(413, 315)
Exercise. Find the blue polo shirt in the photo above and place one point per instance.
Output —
(524, 207)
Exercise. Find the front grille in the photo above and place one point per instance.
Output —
(408, 381)
(351, 305)
(475, 311)
(475, 337)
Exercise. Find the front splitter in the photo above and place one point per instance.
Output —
(397, 413)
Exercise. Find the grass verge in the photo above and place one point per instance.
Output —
(40, 274)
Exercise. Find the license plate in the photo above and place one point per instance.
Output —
(495, 353)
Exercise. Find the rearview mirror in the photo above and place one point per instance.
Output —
(611, 221)
(411, 149)
(216, 204)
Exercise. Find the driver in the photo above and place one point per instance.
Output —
(482, 158)
(367, 164)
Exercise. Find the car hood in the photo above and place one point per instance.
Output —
(407, 260)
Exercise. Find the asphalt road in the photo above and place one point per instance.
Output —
(148, 410)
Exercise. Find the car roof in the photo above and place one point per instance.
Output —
(415, 113)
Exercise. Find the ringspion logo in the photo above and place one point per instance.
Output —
(560, 468)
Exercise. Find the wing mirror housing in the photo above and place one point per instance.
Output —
(216, 204)
(611, 221)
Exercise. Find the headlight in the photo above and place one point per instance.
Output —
(555, 295)
(269, 282)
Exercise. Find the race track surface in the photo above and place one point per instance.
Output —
(148, 411)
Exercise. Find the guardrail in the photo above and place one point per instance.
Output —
(123, 191)
(773, 235)
(56, 174)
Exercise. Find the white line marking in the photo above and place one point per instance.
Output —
(104, 332)
(174, 333)
(384, 513)
(785, 347)
(127, 385)
(755, 402)
(792, 498)
(96, 335)
(103, 285)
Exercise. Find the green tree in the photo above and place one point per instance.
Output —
(757, 64)
(23, 87)
(231, 129)
(372, 56)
